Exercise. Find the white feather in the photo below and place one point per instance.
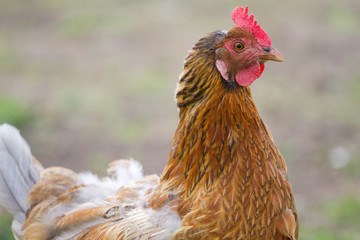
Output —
(18, 173)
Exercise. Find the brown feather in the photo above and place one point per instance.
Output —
(224, 165)
(225, 177)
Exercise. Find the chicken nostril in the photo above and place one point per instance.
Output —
(266, 49)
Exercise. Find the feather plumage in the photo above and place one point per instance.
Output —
(225, 178)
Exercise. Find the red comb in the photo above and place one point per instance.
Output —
(242, 20)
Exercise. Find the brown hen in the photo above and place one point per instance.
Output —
(225, 178)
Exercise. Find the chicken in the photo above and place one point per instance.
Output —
(225, 178)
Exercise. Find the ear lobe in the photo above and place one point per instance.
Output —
(222, 68)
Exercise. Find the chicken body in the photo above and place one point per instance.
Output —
(56, 203)
(224, 166)
(225, 178)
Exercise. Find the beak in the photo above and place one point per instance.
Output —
(271, 54)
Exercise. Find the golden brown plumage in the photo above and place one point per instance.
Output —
(225, 178)
(224, 166)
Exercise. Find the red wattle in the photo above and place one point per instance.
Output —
(247, 76)
(262, 67)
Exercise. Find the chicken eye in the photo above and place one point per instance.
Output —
(238, 46)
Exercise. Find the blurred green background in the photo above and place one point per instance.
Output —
(88, 82)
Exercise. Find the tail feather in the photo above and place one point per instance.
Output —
(18, 171)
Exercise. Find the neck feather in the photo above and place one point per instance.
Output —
(216, 134)
(220, 131)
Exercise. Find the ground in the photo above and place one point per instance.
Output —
(90, 81)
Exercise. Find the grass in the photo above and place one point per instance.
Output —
(109, 70)
(9, 58)
(343, 18)
(14, 112)
(353, 168)
(131, 132)
(81, 24)
(345, 212)
(341, 220)
(324, 234)
(5, 230)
